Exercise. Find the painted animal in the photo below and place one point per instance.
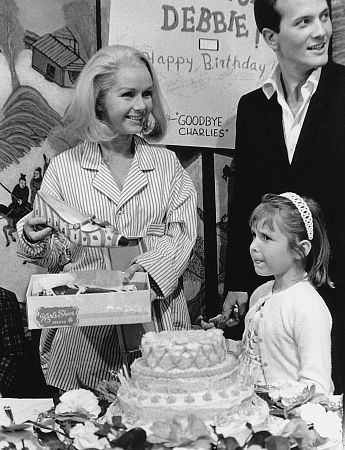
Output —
(9, 228)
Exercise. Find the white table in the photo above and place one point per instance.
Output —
(23, 409)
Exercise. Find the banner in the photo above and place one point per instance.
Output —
(206, 58)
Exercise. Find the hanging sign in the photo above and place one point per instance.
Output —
(206, 55)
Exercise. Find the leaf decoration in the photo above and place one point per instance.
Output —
(258, 438)
(297, 432)
(134, 439)
(117, 423)
(82, 385)
(228, 443)
(41, 425)
(26, 119)
(104, 430)
(72, 416)
(277, 443)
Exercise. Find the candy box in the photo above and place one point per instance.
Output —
(85, 298)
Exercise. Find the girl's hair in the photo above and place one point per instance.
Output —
(290, 222)
(85, 115)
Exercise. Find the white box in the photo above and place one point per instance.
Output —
(110, 308)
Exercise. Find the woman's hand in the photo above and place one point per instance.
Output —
(36, 228)
(128, 275)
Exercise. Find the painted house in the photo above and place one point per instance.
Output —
(30, 38)
(56, 57)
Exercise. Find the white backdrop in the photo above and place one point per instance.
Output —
(206, 57)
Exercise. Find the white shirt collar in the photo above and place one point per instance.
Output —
(273, 82)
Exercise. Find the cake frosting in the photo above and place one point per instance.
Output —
(185, 372)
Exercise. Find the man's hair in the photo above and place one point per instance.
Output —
(267, 15)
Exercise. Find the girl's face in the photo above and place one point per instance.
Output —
(22, 183)
(129, 102)
(36, 174)
(271, 253)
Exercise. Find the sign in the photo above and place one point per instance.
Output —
(206, 55)
(56, 316)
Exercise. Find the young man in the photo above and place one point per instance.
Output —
(290, 136)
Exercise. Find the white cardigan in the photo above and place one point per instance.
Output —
(295, 336)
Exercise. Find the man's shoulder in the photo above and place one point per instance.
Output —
(334, 74)
(6, 293)
(251, 106)
(256, 93)
(252, 99)
(335, 67)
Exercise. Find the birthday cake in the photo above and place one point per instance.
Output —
(187, 372)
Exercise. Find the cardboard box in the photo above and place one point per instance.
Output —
(129, 306)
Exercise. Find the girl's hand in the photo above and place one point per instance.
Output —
(128, 275)
(36, 228)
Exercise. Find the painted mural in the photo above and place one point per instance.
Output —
(44, 46)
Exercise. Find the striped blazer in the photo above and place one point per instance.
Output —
(158, 202)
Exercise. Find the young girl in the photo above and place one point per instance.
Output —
(287, 333)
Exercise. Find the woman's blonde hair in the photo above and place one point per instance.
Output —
(85, 115)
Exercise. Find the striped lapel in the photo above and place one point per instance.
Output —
(105, 183)
(103, 180)
(137, 178)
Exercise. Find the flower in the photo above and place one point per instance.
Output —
(311, 412)
(86, 426)
(330, 426)
(326, 423)
(108, 389)
(287, 391)
(180, 431)
(131, 418)
(84, 436)
(78, 401)
(225, 417)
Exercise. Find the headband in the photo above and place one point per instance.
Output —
(304, 211)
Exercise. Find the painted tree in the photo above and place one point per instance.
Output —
(11, 37)
(80, 16)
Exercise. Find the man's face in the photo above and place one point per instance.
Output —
(305, 31)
